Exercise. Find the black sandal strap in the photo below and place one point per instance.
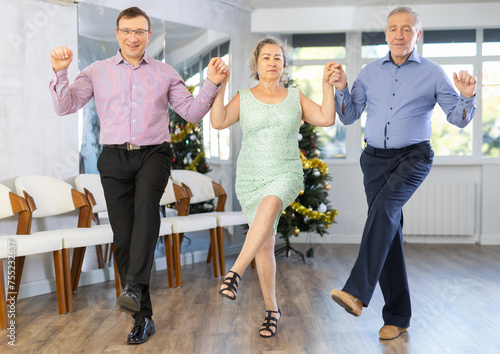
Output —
(267, 323)
(231, 283)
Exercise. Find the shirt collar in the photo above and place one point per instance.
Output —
(413, 57)
(118, 59)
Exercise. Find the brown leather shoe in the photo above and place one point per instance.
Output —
(348, 302)
(391, 332)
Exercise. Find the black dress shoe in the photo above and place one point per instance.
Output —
(130, 298)
(143, 327)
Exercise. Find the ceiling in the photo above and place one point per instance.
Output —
(261, 4)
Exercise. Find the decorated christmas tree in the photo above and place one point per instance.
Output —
(311, 211)
(187, 147)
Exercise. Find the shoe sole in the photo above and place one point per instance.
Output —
(145, 340)
(127, 304)
(346, 307)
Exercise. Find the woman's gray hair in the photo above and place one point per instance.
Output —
(405, 9)
(255, 57)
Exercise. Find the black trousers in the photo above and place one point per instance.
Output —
(391, 176)
(133, 183)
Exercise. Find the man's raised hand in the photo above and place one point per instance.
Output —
(60, 58)
(465, 83)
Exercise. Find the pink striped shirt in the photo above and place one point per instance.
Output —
(131, 103)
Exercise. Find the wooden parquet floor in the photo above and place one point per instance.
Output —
(454, 296)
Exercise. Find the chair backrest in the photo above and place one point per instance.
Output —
(92, 183)
(5, 203)
(12, 204)
(199, 184)
(54, 197)
(174, 193)
(200, 187)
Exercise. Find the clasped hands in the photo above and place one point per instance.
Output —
(217, 71)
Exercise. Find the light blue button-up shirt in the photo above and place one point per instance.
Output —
(400, 99)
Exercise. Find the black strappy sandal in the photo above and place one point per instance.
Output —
(268, 324)
(231, 284)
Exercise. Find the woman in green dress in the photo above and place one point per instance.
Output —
(269, 173)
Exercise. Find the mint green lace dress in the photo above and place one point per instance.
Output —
(269, 162)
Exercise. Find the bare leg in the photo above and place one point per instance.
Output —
(258, 234)
(266, 268)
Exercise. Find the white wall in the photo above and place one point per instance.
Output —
(372, 18)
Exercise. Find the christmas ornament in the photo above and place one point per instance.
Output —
(297, 231)
(322, 208)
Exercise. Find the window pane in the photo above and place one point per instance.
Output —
(491, 109)
(331, 139)
(373, 45)
(447, 139)
(318, 53)
(374, 51)
(437, 50)
(491, 48)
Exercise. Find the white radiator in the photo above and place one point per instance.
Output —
(441, 208)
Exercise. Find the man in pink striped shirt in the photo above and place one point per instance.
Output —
(132, 92)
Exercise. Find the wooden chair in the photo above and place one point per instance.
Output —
(90, 185)
(14, 249)
(179, 225)
(55, 197)
(201, 188)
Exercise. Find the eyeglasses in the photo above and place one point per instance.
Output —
(138, 33)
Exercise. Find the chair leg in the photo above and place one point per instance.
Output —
(68, 294)
(107, 253)
(118, 283)
(59, 271)
(213, 248)
(209, 255)
(3, 299)
(170, 261)
(220, 244)
(100, 257)
(177, 259)
(19, 273)
(76, 267)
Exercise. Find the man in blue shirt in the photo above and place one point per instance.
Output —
(399, 92)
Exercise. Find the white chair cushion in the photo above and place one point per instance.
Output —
(82, 236)
(26, 245)
(229, 218)
(165, 228)
(191, 223)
